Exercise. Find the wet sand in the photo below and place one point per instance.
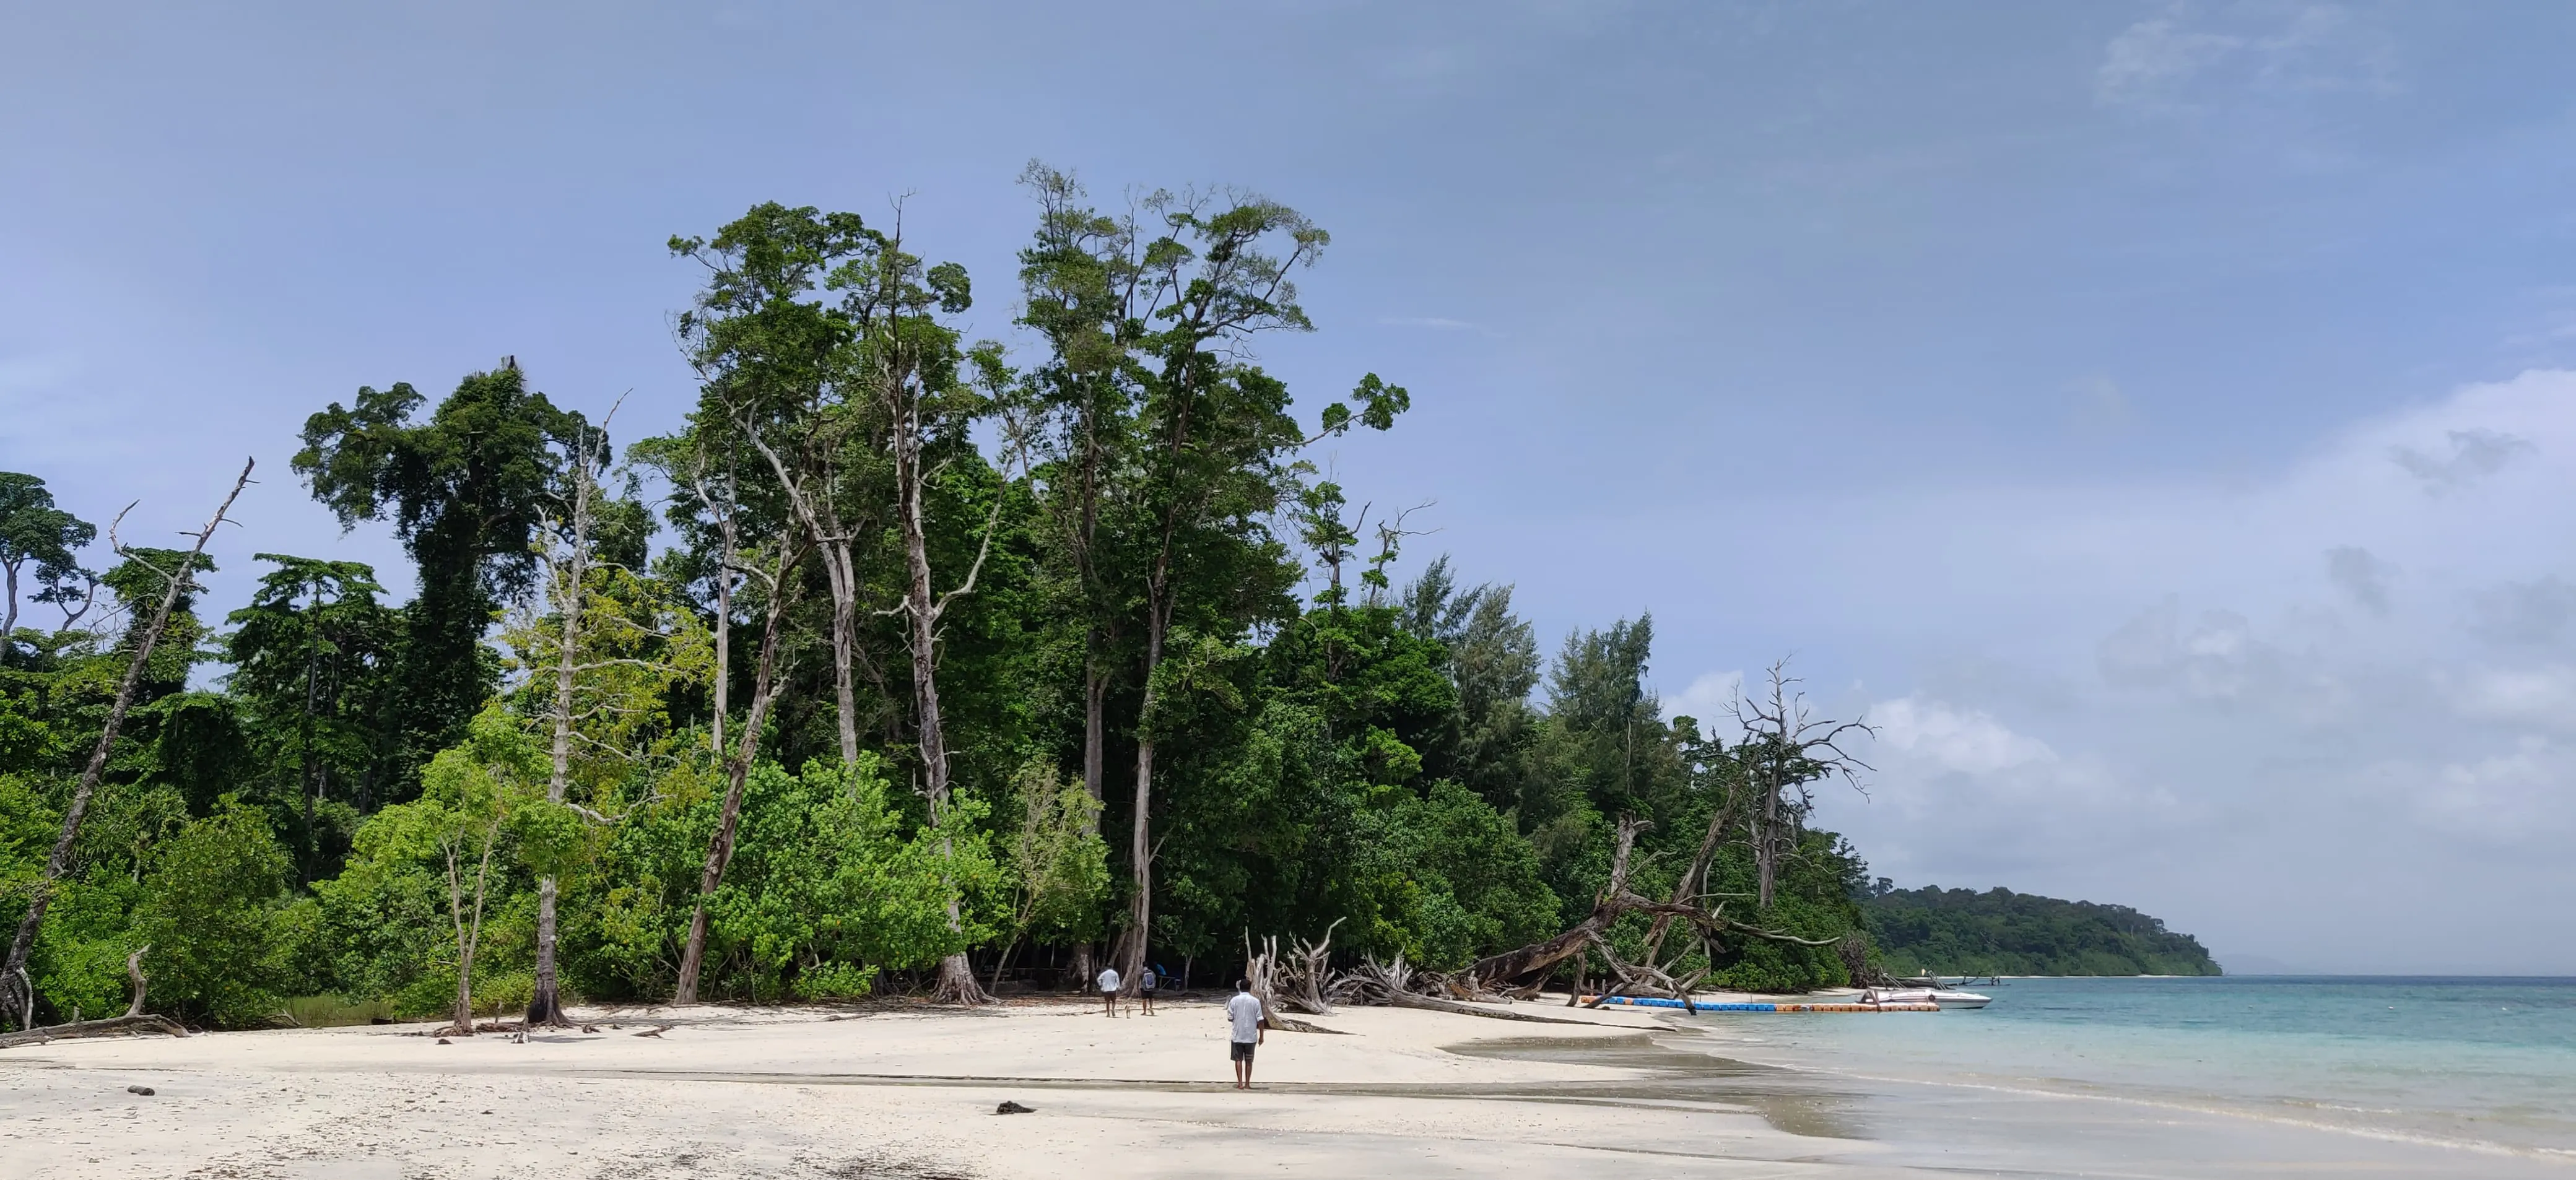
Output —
(892, 1091)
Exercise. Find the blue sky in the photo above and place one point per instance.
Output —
(2158, 416)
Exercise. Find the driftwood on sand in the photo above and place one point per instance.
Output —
(1617, 901)
(135, 1019)
(1303, 981)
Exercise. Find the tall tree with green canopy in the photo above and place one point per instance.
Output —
(773, 353)
(1493, 657)
(1216, 448)
(465, 490)
(1081, 281)
(921, 408)
(33, 530)
(312, 655)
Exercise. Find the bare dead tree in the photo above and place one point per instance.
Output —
(1263, 969)
(1786, 747)
(1615, 901)
(13, 974)
(568, 556)
(1309, 971)
(469, 933)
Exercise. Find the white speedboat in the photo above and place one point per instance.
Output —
(1925, 995)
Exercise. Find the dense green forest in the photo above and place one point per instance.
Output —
(896, 661)
(1999, 932)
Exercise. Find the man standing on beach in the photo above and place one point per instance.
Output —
(1145, 988)
(1109, 990)
(1243, 1013)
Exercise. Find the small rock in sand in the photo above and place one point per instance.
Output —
(145, 1091)
(1014, 1108)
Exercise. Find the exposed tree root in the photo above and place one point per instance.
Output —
(958, 985)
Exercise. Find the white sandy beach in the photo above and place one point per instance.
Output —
(887, 1091)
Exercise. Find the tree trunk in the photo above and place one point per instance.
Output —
(1689, 886)
(1140, 848)
(13, 974)
(724, 634)
(841, 576)
(1513, 964)
(1095, 755)
(725, 528)
(844, 581)
(312, 696)
(468, 937)
(93, 1028)
(737, 772)
(1095, 730)
(957, 983)
(9, 625)
(134, 971)
(1766, 851)
(545, 1000)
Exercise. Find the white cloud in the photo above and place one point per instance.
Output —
(1959, 797)
(1708, 698)
(2543, 696)
(2191, 58)
(2184, 701)
(1437, 323)
(2521, 796)
(2148, 61)
(1951, 740)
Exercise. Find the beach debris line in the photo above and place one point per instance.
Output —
(1303, 980)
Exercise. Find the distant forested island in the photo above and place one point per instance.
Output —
(1999, 932)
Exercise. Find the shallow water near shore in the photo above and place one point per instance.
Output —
(2480, 1069)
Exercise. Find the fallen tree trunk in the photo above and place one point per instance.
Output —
(1616, 901)
(1494, 970)
(145, 1022)
(1412, 1000)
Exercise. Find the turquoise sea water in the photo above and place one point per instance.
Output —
(2484, 1065)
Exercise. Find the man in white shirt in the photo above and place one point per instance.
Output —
(1246, 1024)
(1109, 990)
